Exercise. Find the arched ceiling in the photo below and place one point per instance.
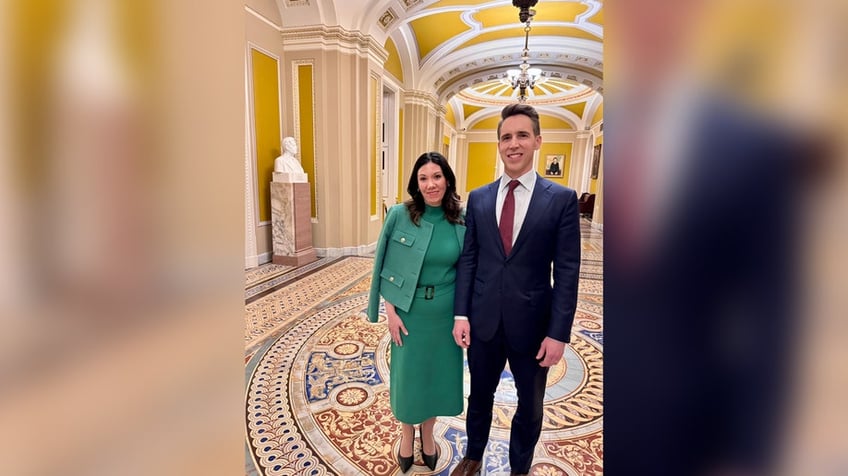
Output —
(460, 50)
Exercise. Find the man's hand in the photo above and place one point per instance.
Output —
(462, 333)
(550, 351)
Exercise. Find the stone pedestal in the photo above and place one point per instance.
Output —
(291, 225)
(289, 177)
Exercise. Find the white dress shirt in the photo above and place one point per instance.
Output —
(522, 194)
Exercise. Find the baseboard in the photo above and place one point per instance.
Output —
(266, 257)
(363, 250)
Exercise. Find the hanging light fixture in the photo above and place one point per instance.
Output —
(524, 77)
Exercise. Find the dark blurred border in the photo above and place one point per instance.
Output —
(724, 302)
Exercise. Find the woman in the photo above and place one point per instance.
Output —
(414, 271)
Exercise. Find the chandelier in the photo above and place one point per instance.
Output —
(524, 77)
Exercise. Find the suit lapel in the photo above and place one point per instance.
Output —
(490, 214)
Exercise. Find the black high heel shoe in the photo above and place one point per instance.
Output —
(429, 460)
(405, 462)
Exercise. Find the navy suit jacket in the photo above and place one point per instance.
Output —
(516, 289)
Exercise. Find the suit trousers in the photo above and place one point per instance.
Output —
(486, 362)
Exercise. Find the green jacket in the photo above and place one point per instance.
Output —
(398, 259)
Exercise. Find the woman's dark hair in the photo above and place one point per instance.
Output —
(450, 201)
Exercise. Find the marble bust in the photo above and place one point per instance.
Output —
(287, 162)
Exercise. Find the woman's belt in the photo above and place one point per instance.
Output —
(433, 290)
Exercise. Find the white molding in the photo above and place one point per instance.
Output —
(424, 99)
(265, 257)
(362, 250)
(250, 244)
(263, 18)
(254, 46)
(268, 52)
(376, 162)
(586, 179)
(251, 261)
(334, 38)
(392, 91)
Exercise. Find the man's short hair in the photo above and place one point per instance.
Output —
(525, 109)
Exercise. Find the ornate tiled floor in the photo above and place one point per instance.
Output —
(317, 389)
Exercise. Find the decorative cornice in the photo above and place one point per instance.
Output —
(577, 68)
(422, 98)
(333, 38)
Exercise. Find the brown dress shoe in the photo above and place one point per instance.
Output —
(466, 467)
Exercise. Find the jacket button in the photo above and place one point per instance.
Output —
(403, 240)
(391, 278)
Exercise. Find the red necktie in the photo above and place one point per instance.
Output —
(508, 217)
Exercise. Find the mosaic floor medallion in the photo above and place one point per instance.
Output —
(317, 397)
(318, 403)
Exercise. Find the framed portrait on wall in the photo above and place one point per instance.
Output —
(596, 161)
(554, 165)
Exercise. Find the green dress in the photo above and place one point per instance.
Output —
(426, 372)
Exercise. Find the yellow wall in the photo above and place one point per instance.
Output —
(401, 189)
(547, 123)
(448, 24)
(392, 64)
(553, 148)
(490, 123)
(481, 164)
(450, 117)
(578, 109)
(372, 132)
(307, 127)
(468, 110)
(266, 107)
(599, 115)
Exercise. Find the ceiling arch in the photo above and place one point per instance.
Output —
(462, 49)
(470, 45)
(467, 123)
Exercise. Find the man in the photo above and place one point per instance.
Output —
(554, 170)
(506, 309)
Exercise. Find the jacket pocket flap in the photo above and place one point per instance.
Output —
(392, 277)
(403, 238)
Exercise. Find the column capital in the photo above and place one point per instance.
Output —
(583, 134)
(423, 98)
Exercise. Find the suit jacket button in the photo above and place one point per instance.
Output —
(403, 240)
(391, 278)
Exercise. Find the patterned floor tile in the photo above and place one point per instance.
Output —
(317, 375)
